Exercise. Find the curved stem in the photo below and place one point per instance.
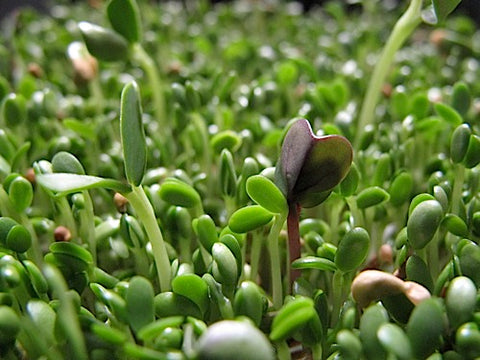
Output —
(157, 90)
(148, 65)
(401, 31)
(138, 199)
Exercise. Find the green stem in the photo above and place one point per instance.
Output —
(433, 254)
(357, 215)
(283, 351)
(87, 228)
(148, 65)
(185, 251)
(97, 94)
(273, 248)
(65, 215)
(317, 353)
(458, 181)
(138, 199)
(401, 31)
(255, 252)
(141, 258)
(334, 212)
(157, 90)
(337, 290)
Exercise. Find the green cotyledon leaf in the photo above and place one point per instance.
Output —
(264, 192)
(103, 43)
(65, 183)
(124, 16)
(132, 133)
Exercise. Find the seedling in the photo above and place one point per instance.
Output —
(308, 170)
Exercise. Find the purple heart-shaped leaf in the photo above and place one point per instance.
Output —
(310, 166)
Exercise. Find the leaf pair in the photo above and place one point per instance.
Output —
(310, 166)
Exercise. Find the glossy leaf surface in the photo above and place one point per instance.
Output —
(133, 136)
(352, 249)
(310, 167)
(265, 193)
(423, 223)
(249, 218)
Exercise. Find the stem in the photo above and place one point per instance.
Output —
(87, 229)
(433, 256)
(283, 351)
(138, 199)
(65, 215)
(357, 215)
(294, 247)
(97, 93)
(156, 86)
(458, 181)
(255, 252)
(185, 251)
(337, 289)
(141, 258)
(277, 292)
(410, 19)
(317, 351)
(157, 90)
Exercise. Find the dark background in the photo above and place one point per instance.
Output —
(468, 7)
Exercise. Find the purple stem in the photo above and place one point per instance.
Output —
(293, 220)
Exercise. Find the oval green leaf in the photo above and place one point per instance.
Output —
(425, 327)
(140, 305)
(423, 223)
(132, 134)
(124, 17)
(265, 193)
(352, 249)
(103, 43)
(249, 218)
(314, 262)
(395, 341)
(291, 317)
(192, 287)
(460, 300)
(179, 193)
(371, 196)
(459, 142)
